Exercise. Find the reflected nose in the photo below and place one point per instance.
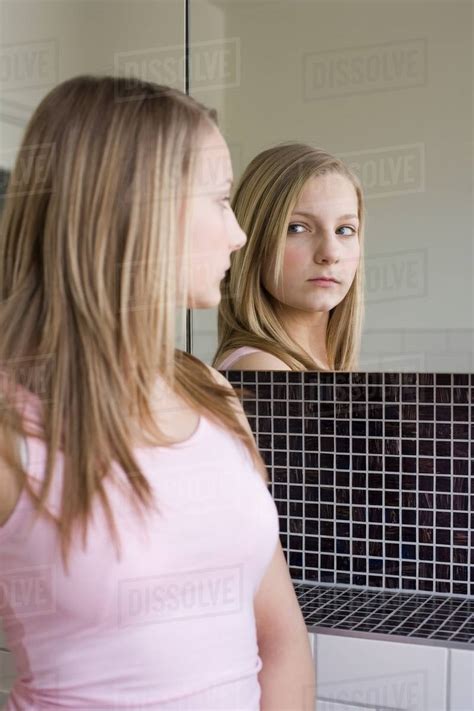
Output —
(327, 250)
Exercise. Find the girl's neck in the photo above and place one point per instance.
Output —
(309, 332)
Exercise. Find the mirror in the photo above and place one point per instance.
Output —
(44, 42)
(386, 86)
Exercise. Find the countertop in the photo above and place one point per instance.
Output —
(418, 618)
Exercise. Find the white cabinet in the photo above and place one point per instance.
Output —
(373, 674)
(461, 686)
(335, 706)
(324, 704)
(7, 673)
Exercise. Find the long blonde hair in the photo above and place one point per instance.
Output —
(88, 287)
(263, 202)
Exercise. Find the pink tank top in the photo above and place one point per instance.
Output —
(235, 355)
(169, 626)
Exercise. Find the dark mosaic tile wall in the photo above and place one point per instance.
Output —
(371, 474)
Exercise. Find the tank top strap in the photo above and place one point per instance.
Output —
(235, 355)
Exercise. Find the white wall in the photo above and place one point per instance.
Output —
(44, 42)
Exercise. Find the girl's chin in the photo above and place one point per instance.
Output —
(205, 301)
(312, 304)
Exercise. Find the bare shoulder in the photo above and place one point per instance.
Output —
(259, 361)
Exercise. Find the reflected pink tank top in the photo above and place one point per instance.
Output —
(169, 626)
(235, 355)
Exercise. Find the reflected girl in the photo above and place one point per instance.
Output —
(292, 299)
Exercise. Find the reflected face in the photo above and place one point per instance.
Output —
(214, 230)
(322, 241)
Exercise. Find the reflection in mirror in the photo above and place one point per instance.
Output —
(292, 298)
(387, 87)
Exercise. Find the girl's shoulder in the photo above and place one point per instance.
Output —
(248, 358)
(229, 357)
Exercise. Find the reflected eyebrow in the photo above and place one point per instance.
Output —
(315, 217)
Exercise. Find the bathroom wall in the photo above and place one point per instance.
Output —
(44, 42)
(371, 474)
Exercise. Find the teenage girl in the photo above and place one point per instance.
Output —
(140, 563)
(292, 299)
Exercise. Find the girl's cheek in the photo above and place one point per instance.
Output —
(293, 259)
(355, 259)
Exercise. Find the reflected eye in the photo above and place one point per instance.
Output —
(292, 228)
(347, 227)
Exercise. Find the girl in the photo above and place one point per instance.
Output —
(139, 553)
(292, 299)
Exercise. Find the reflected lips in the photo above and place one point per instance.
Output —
(321, 281)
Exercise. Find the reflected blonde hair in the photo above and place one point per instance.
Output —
(88, 288)
(265, 197)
